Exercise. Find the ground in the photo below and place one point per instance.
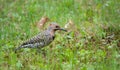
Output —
(93, 43)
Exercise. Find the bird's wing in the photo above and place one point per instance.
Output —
(36, 39)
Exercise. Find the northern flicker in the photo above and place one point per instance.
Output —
(42, 39)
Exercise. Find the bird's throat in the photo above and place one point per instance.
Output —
(52, 33)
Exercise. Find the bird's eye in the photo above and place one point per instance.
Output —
(57, 26)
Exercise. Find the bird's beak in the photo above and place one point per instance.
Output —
(61, 29)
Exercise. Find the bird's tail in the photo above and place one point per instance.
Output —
(18, 48)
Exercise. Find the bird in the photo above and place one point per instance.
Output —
(43, 38)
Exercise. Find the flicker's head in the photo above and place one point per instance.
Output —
(54, 27)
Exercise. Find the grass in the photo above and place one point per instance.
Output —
(93, 43)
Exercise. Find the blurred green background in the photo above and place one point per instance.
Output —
(94, 43)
